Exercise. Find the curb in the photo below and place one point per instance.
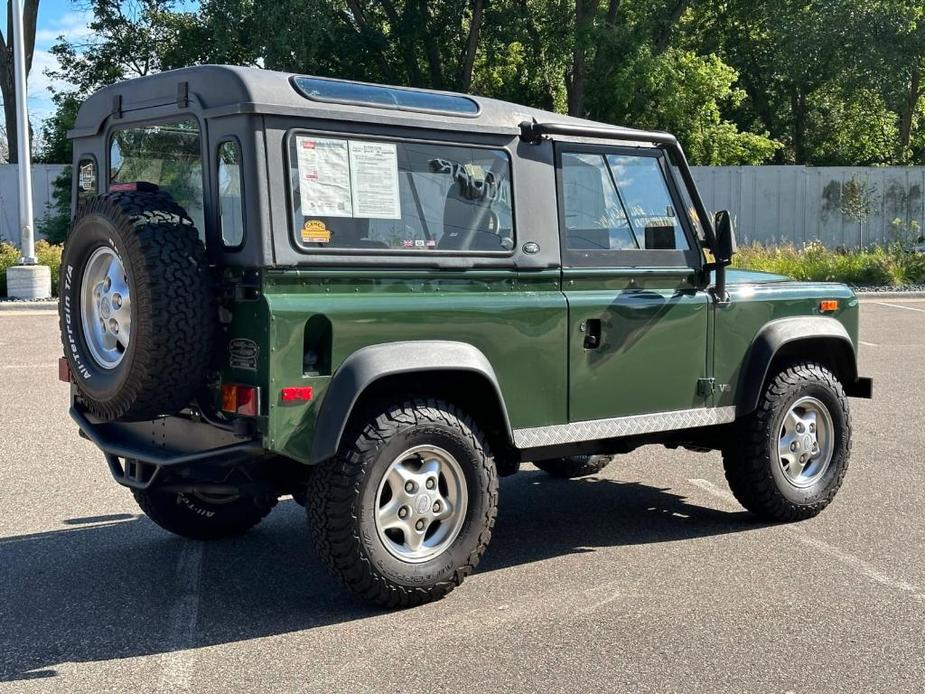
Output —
(30, 306)
(872, 296)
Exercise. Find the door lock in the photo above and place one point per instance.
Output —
(592, 330)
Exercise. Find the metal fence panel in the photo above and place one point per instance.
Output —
(841, 206)
(43, 176)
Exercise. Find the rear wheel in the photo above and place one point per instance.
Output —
(574, 465)
(792, 455)
(405, 510)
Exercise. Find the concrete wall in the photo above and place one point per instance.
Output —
(43, 175)
(840, 206)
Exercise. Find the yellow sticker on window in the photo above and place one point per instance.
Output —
(314, 231)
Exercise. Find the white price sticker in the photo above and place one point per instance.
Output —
(324, 177)
(374, 180)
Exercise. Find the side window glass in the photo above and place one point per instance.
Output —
(595, 218)
(406, 197)
(230, 209)
(644, 191)
(87, 178)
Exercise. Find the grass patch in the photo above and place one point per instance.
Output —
(892, 265)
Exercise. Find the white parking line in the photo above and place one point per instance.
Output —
(26, 312)
(858, 565)
(180, 655)
(907, 308)
(868, 344)
(44, 365)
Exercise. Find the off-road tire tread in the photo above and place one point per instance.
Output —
(161, 508)
(571, 468)
(174, 335)
(747, 465)
(335, 485)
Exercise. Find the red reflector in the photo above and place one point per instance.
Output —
(243, 400)
(297, 394)
(64, 370)
(828, 305)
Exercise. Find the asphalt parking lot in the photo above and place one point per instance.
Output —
(647, 578)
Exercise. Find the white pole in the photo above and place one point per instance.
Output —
(22, 138)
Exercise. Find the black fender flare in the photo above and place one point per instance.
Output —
(777, 334)
(369, 364)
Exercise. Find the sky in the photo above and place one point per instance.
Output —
(56, 18)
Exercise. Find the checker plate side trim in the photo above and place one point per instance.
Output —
(537, 437)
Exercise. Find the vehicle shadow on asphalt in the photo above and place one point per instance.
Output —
(110, 590)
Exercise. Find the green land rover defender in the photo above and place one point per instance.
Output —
(378, 300)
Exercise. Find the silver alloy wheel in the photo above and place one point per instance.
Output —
(421, 504)
(106, 307)
(806, 442)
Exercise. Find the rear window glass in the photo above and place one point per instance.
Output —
(379, 96)
(167, 155)
(399, 196)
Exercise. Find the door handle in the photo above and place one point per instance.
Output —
(592, 330)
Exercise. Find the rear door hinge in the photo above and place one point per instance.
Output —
(706, 386)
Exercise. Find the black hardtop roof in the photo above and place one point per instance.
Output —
(227, 89)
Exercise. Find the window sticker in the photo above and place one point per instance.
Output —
(314, 231)
(324, 177)
(374, 180)
(87, 177)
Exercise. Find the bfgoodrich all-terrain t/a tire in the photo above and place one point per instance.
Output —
(405, 510)
(201, 517)
(792, 452)
(136, 310)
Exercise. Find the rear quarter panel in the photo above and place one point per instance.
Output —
(518, 320)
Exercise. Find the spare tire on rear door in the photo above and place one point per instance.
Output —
(136, 305)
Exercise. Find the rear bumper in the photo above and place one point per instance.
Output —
(861, 388)
(147, 447)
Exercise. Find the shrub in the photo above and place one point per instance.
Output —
(891, 265)
(46, 253)
(9, 255)
(50, 255)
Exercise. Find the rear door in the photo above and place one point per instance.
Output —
(638, 322)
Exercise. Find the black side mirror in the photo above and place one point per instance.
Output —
(725, 237)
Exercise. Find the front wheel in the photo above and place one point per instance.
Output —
(793, 453)
(200, 516)
(405, 510)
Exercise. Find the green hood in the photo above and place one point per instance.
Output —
(739, 276)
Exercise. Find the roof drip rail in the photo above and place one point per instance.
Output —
(533, 132)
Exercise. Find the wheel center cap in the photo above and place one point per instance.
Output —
(807, 442)
(422, 504)
(105, 307)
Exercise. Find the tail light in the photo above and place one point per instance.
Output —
(238, 399)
